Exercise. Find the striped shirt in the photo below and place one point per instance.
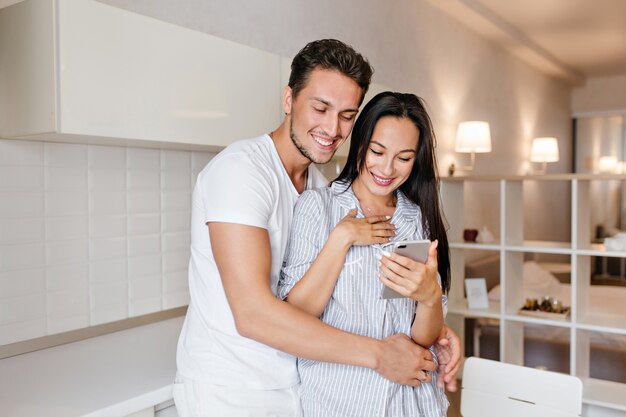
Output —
(356, 306)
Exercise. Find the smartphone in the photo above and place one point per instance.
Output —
(414, 249)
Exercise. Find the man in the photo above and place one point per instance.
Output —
(231, 353)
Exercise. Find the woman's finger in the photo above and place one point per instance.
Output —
(389, 283)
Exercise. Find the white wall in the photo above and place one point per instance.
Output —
(414, 47)
(600, 95)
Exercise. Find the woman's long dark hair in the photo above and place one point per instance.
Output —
(422, 186)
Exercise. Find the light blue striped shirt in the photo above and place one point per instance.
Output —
(356, 306)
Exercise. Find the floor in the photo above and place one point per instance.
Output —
(455, 402)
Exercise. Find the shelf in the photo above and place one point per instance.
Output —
(545, 177)
(475, 246)
(595, 332)
(597, 249)
(461, 308)
(607, 323)
(534, 320)
(604, 393)
(541, 247)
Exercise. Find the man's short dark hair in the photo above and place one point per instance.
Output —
(329, 54)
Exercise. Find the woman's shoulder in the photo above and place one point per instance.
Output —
(315, 196)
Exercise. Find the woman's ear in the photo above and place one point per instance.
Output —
(287, 99)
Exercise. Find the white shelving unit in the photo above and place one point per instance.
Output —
(601, 397)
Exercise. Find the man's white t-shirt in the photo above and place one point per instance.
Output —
(247, 184)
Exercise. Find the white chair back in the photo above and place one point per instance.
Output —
(497, 389)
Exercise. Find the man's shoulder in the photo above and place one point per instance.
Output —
(247, 155)
(251, 149)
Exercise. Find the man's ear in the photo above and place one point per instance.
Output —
(287, 99)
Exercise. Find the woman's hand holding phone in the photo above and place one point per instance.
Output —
(411, 278)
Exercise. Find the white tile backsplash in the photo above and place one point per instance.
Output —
(144, 224)
(107, 226)
(20, 153)
(107, 180)
(147, 287)
(107, 248)
(176, 200)
(176, 242)
(22, 282)
(175, 261)
(144, 180)
(176, 221)
(22, 330)
(71, 251)
(22, 256)
(21, 204)
(69, 302)
(144, 245)
(104, 295)
(65, 155)
(175, 160)
(175, 180)
(144, 306)
(65, 203)
(91, 234)
(107, 157)
(21, 230)
(67, 227)
(144, 201)
(23, 308)
(60, 277)
(107, 202)
(109, 313)
(101, 272)
(58, 324)
(143, 159)
(22, 178)
(65, 178)
(146, 265)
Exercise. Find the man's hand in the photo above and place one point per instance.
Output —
(448, 349)
(402, 361)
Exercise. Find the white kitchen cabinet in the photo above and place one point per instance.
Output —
(600, 397)
(82, 71)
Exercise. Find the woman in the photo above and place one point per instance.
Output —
(387, 192)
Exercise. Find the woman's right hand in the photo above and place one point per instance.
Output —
(363, 231)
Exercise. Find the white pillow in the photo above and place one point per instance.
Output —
(537, 283)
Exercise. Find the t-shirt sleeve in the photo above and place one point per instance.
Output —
(235, 190)
(305, 241)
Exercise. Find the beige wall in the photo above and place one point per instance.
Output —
(413, 47)
(600, 95)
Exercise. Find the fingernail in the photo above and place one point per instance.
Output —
(385, 253)
(388, 217)
(379, 256)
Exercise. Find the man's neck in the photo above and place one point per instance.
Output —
(296, 165)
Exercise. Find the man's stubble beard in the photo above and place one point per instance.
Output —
(301, 148)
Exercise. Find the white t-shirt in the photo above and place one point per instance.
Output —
(247, 184)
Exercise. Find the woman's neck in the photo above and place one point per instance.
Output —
(373, 205)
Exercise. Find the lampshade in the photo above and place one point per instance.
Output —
(544, 150)
(607, 163)
(473, 137)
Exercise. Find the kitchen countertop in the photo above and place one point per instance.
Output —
(111, 375)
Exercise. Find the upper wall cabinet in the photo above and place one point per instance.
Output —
(83, 71)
